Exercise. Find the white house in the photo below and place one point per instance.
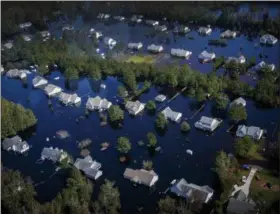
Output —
(206, 56)
(251, 131)
(161, 28)
(52, 90)
(205, 30)
(97, 103)
(239, 101)
(237, 60)
(207, 123)
(70, 99)
(172, 115)
(160, 98)
(26, 38)
(155, 48)
(191, 191)
(39, 81)
(263, 65)
(228, 34)
(25, 25)
(181, 29)
(135, 46)
(152, 22)
(15, 73)
(268, 39)
(136, 19)
(180, 53)
(134, 107)
(53, 154)
(8, 45)
(45, 33)
(89, 167)
(15, 144)
(142, 176)
(109, 41)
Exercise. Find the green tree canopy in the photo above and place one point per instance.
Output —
(115, 113)
(185, 126)
(150, 105)
(124, 146)
(244, 147)
(161, 122)
(152, 139)
(237, 112)
(221, 101)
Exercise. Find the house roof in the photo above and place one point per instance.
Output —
(40, 80)
(86, 163)
(240, 195)
(207, 120)
(206, 55)
(168, 113)
(133, 106)
(241, 207)
(14, 141)
(238, 101)
(50, 87)
(52, 153)
(141, 175)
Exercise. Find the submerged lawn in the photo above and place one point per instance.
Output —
(141, 59)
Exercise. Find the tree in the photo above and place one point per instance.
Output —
(124, 146)
(244, 147)
(152, 139)
(115, 113)
(237, 112)
(122, 92)
(130, 80)
(200, 95)
(109, 198)
(161, 121)
(185, 126)
(148, 165)
(221, 101)
(167, 206)
(150, 105)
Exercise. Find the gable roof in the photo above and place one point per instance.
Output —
(140, 176)
(241, 207)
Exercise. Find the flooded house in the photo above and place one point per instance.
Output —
(251, 131)
(228, 34)
(155, 48)
(39, 81)
(263, 65)
(69, 99)
(15, 144)
(53, 154)
(191, 191)
(16, 73)
(67, 27)
(160, 98)
(239, 101)
(142, 176)
(119, 18)
(135, 46)
(103, 16)
(25, 25)
(134, 107)
(171, 115)
(89, 167)
(161, 28)
(205, 30)
(206, 56)
(97, 103)
(8, 45)
(136, 19)
(180, 53)
(97, 34)
(207, 123)
(109, 41)
(52, 90)
(45, 33)
(238, 60)
(27, 38)
(152, 22)
(181, 29)
(268, 39)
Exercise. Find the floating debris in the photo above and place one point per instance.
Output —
(190, 152)
(122, 159)
(62, 134)
(140, 143)
(57, 169)
(158, 149)
(85, 153)
(104, 146)
(103, 123)
(47, 139)
(57, 78)
(84, 143)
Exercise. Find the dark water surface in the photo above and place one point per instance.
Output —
(171, 164)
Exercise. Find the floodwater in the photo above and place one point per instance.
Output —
(172, 163)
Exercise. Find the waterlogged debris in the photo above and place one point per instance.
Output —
(47, 139)
(62, 134)
(190, 152)
(85, 152)
(57, 78)
(104, 146)
(122, 159)
(84, 143)
(140, 143)
(158, 149)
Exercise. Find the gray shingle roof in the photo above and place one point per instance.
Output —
(240, 207)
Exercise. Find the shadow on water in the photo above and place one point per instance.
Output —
(29, 132)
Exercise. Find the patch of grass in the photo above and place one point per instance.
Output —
(141, 59)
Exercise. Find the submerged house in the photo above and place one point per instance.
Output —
(155, 48)
(26, 38)
(25, 25)
(45, 33)
(8, 45)
(251, 131)
(97, 103)
(237, 60)
(70, 99)
(228, 34)
(172, 115)
(120, 18)
(181, 53)
(181, 29)
(268, 39)
(135, 46)
(89, 167)
(206, 56)
(16, 73)
(239, 101)
(160, 98)
(207, 123)
(67, 27)
(52, 90)
(53, 154)
(134, 107)
(205, 30)
(191, 191)
(15, 144)
(142, 176)
(103, 16)
(152, 22)
(161, 28)
(109, 41)
(263, 65)
(97, 34)
(39, 81)
(136, 19)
